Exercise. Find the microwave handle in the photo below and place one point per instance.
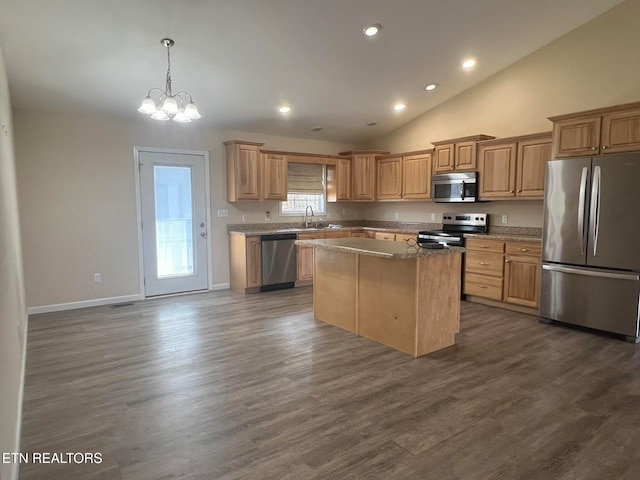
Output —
(464, 186)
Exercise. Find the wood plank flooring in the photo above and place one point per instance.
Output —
(224, 386)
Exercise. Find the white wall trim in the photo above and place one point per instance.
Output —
(221, 286)
(59, 307)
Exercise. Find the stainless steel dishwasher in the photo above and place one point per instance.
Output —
(279, 265)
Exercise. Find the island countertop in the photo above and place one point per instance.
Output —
(377, 248)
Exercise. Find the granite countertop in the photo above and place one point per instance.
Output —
(377, 248)
(323, 229)
(505, 236)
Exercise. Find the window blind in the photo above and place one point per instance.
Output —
(305, 178)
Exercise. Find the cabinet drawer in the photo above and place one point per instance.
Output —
(482, 286)
(403, 237)
(484, 263)
(310, 236)
(482, 245)
(385, 236)
(345, 234)
(524, 248)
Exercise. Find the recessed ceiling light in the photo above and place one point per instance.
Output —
(372, 124)
(372, 30)
(469, 63)
(316, 128)
(284, 109)
(398, 107)
(430, 87)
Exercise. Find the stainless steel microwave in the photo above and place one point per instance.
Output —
(455, 187)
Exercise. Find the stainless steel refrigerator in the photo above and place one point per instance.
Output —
(591, 243)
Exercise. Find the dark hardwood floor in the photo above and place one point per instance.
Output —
(224, 386)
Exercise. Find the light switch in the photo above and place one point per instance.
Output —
(223, 213)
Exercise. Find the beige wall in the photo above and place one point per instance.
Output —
(594, 66)
(13, 314)
(78, 206)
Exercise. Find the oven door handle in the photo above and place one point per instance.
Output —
(464, 186)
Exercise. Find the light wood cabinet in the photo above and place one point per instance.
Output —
(403, 237)
(363, 174)
(244, 171)
(275, 177)
(522, 274)
(605, 130)
(458, 154)
(513, 167)
(305, 258)
(389, 178)
(404, 176)
(386, 236)
(358, 234)
(245, 262)
(505, 272)
(343, 179)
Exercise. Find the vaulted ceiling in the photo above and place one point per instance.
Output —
(242, 59)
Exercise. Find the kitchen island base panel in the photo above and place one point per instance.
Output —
(334, 288)
(411, 305)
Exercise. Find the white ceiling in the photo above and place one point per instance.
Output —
(241, 59)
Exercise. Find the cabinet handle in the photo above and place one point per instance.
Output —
(482, 286)
(484, 246)
(523, 249)
(483, 263)
(507, 261)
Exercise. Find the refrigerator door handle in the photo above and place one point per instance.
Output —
(594, 215)
(592, 273)
(581, 205)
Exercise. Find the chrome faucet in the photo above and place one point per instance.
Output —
(307, 216)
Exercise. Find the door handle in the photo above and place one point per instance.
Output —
(594, 219)
(202, 225)
(203, 234)
(581, 206)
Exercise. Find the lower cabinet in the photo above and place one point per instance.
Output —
(245, 262)
(305, 258)
(503, 271)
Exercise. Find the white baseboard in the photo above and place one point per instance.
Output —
(221, 286)
(59, 307)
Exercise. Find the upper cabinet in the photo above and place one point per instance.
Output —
(512, 168)
(254, 175)
(244, 170)
(605, 130)
(404, 176)
(363, 174)
(458, 154)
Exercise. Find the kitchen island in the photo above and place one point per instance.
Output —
(404, 297)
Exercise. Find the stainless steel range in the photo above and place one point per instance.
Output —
(454, 227)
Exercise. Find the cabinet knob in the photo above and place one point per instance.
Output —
(484, 263)
(482, 286)
(510, 191)
(519, 191)
(507, 261)
(594, 148)
(604, 147)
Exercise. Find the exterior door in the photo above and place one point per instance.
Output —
(174, 222)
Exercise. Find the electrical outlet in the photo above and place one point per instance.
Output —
(223, 213)
(504, 219)
(433, 217)
(97, 278)
(244, 218)
(267, 215)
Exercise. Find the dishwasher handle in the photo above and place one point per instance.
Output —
(279, 236)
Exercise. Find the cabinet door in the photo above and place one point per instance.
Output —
(364, 177)
(443, 158)
(416, 176)
(254, 262)
(247, 173)
(533, 156)
(465, 156)
(305, 263)
(403, 237)
(389, 183)
(343, 179)
(497, 170)
(621, 132)
(577, 137)
(275, 177)
(522, 280)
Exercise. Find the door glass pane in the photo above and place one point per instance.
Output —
(174, 221)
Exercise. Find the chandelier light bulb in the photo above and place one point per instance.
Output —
(148, 106)
(160, 115)
(180, 117)
(170, 106)
(191, 111)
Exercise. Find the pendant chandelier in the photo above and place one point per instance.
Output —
(178, 107)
